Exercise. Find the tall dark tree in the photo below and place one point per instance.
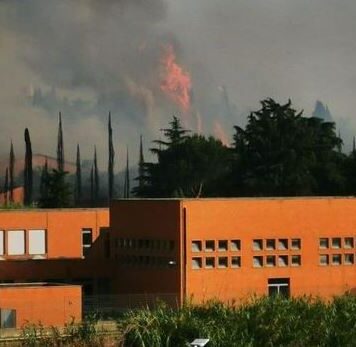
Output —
(111, 161)
(6, 186)
(12, 173)
(28, 173)
(127, 177)
(141, 167)
(43, 181)
(60, 148)
(92, 189)
(96, 178)
(78, 178)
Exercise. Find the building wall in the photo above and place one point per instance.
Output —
(48, 305)
(307, 219)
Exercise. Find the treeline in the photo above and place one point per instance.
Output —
(280, 152)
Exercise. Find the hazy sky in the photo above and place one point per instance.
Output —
(89, 56)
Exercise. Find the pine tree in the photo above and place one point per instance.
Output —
(78, 178)
(11, 173)
(60, 150)
(111, 161)
(28, 173)
(6, 186)
(127, 177)
(96, 178)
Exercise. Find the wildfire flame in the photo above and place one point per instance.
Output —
(220, 133)
(176, 82)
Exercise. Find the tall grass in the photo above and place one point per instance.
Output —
(260, 322)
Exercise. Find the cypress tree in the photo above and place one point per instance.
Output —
(111, 161)
(78, 178)
(11, 173)
(141, 167)
(92, 185)
(28, 173)
(44, 182)
(6, 186)
(60, 150)
(127, 177)
(96, 178)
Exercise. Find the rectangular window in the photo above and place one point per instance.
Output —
(349, 242)
(87, 239)
(8, 318)
(348, 259)
(279, 286)
(171, 245)
(2, 248)
(222, 245)
(16, 242)
(282, 260)
(336, 259)
(296, 244)
(257, 261)
(296, 260)
(270, 244)
(210, 246)
(324, 259)
(223, 262)
(270, 261)
(37, 242)
(235, 245)
(196, 246)
(196, 263)
(210, 262)
(324, 243)
(235, 262)
(336, 242)
(283, 244)
(257, 245)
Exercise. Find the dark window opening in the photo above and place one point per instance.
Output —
(279, 286)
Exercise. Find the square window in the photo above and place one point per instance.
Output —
(349, 242)
(296, 260)
(324, 259)
(271, 260)
(196, 263)
(283, 244)
(222, 245)
(209, 262)
(336, 259)
(8, 318)
(324, 243)
(348, 259)
(257, 245)
(336, 242)
(235, 262)
(270, 244)
(235, 245)
(257, 261)
(223, 262)
(282, 260)
(296, 244)
(196, 246)
(210, 246)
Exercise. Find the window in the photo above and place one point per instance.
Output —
(171, 245)
(296, 260)
(279, 286)
(87, 240)
(336, 259)
(336, 242)
(323, 243)
(270, 244)
(235, 245)
(283, 244)
(16, 242)
(349, 242)
(348, 259)
(196, 246)
(324, 259)
(257, 245)
(295, 244)
(196, 263)
(210, 246)
(270, 260)
(8, 318)
(210, 262)
(36, 242)
(2, 250)
(257, 261)
(282, 260)
(223, 262)
(222, 245)
(235, 262)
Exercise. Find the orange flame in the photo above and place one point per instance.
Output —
(220, 133)
(176, 82)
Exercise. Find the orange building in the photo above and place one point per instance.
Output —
(234, 248)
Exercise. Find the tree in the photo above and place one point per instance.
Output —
(78, 178)
(58, 193)
(92, 196)
(127, 177)
(28, 173)
(141, 172)
(60, 149)
(96, 178)
(111, 161)
(43, 182)
(6, 186)
(11, 173)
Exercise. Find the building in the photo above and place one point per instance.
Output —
(231, 249)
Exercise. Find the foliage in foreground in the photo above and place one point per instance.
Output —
(262, 322)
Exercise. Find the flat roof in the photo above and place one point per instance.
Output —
(67, 209)
(35, 284)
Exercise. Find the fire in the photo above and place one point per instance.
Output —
(219, 132)
(176, 82)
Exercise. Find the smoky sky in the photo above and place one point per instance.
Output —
(87, 57)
